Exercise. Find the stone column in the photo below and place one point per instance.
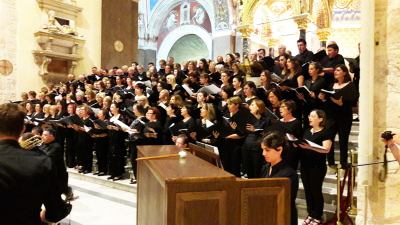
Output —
(302, 23)
(246, 32)
(323, 35)
(366, 109)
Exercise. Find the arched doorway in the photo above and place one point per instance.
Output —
(189, 47)
(187, 33)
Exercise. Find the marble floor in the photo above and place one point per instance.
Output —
(100, 205)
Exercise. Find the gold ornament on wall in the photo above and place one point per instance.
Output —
(118, 46)
(6, 67)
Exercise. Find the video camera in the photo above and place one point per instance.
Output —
(387, 135)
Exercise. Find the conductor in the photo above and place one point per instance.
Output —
(27, 178)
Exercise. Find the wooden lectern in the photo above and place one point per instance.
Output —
(191, 191)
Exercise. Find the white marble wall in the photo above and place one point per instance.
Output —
(8, 48)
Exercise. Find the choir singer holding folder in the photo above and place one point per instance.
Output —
(313, 167)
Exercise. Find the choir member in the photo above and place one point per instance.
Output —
(340, 106)
(117, 149)
(251, 150)
(312, 165)
(274, 147)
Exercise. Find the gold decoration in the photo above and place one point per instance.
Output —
(323, 34)
(6, 67)
(118, 46)
(246, 31)
(302, 22)
(272, 42)
(247, 13)
(343, 4)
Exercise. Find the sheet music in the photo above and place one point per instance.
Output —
(162, 105)
(211, 89)
(120, 124)
(315, 145)
(96, 111)
(209, 123)
(187, 89)
(87, 129)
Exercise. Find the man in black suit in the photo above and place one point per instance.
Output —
(27, 178)
(304, 55)
(266, 61)
(330, 61)
(55, 152)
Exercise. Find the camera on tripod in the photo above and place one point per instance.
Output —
(387, 135)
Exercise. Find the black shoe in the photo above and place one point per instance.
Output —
(96, 173)
(133, 181)
(86, 171)
(110, 178)
(117, 178)
(101, 174)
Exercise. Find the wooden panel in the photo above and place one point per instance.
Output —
(199, 208)
(172, 168)
(260, 201)
(150, 198)
(264, 201)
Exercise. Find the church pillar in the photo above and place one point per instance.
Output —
(302, 23)
(246, 32)
(119, 32)
(378, 198)
(323, 35)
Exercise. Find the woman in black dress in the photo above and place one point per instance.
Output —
(251, 150)
(117, 149)
(289, 124)
(340, 106)
(312, 165)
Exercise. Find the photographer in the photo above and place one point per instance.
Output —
(394, 145)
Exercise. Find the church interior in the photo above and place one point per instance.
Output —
(50, 44)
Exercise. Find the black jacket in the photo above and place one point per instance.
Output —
(28, 180)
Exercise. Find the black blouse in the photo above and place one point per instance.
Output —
(310, 158)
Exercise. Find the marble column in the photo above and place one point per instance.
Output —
(366, 109)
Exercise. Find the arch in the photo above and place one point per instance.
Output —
(251, 5)
(161, 10)
(176, 34)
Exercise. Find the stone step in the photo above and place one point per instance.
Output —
(329, 211)
(123, 184)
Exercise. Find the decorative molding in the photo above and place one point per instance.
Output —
(6, 67)
(59, 6)
(302, 21)
(323, 34)
(246, 30)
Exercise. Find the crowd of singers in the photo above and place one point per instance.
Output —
(111, 112)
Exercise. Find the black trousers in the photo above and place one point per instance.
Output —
(116, 161)
(230, 153)
(313, 177)
(252, 160)
(101, 149)
(342, 127)
(70, 150)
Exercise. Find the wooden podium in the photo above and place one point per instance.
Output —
(191, 191)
